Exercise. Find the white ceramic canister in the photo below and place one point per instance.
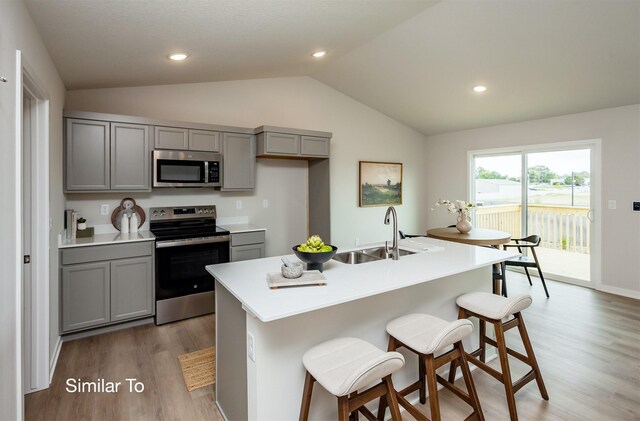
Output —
(133, 222)
(124, 224)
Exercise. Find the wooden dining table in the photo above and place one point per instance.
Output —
(478, 237)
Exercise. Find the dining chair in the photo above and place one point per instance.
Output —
(403, 235)
(524, 261)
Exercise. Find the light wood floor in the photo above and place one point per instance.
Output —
(587, 344)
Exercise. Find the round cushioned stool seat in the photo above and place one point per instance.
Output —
(428, 334)
(493, 306)
(344, 365)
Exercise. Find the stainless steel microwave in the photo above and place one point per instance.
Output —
(186, 169)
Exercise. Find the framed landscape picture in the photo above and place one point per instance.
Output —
(380, 183)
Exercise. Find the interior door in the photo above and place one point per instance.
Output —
(29, 366)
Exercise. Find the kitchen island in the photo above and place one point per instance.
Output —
(261, 334)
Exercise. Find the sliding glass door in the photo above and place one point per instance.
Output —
(547, 192)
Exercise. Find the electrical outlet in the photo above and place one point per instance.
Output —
(265, 203)
(251, 347)
(357, 241)
(238, 204)
(104, 209)
(612, 204)
(636, 206)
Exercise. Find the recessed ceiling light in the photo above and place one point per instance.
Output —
(319, 54)
(479, 88)
(178, 56)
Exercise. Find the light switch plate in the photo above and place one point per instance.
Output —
(612, 204)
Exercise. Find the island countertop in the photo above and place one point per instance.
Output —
(434, 259)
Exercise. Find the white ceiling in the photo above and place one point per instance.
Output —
(415, 61)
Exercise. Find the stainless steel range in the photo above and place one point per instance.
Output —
(187, 239)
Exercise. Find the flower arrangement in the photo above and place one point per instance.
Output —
(459, 206)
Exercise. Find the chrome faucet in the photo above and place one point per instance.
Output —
(394, 252)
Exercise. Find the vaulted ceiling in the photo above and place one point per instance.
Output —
(414, 60)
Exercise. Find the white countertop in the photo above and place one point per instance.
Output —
(247, 280)
(104, 239)
(238, 228)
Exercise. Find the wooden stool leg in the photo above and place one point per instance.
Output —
(432, 382)
(393, 400)
(423, 379)
(506, 372)
(462, 314)
(532, 357)
(354, 415)
(306, 396)
(343, 408)
(382, 407)
(483, 342)
(468, 380)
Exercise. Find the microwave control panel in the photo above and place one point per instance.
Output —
(214, 172)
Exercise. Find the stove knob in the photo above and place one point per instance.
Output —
(161, 213)
(206, 211)
(155, 213)
(199, 210)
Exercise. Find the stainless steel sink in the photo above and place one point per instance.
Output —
(356, 257)
(381, 253)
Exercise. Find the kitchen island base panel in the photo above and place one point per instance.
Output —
(275, 376)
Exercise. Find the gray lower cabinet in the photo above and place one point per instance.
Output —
(102, 285)
(239, 161)
(131, 288)
(85, 295)
(104, 156)
(247, 245)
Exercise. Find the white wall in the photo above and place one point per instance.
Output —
(18, 32)
(619, 129)
(359, 133)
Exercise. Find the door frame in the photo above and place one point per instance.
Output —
(596, 185)
(38, 303)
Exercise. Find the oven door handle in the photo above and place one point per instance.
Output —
(192, 241)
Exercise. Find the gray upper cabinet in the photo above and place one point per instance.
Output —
(171, 138)
(239, 161)
(292, 145)
(186, 139)
(87, 162)
(103, 156)
(204, 140)
(130, 154)
(314, 146)
(280, 143)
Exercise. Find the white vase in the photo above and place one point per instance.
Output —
(463, 225)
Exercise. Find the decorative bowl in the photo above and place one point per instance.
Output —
(292, 272)
(314, 261)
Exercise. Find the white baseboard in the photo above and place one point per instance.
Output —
(630, 293)
(54, 358)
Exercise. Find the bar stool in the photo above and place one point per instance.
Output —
(344, 365)
(491, 308)
(426, 335)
